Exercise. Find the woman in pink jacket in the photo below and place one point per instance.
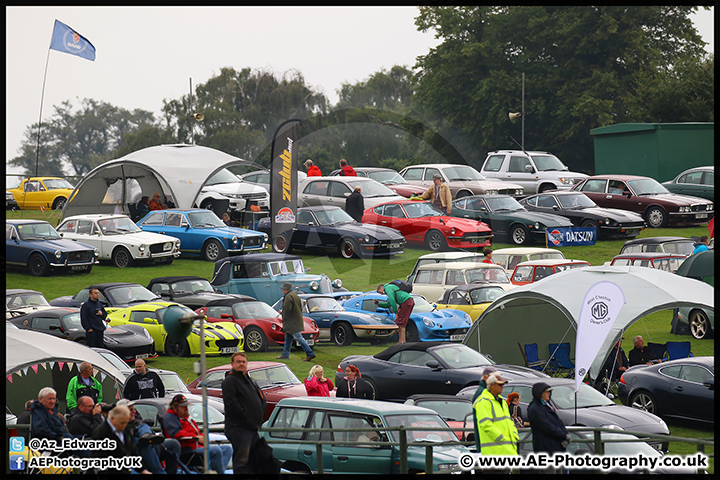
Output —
(316, 384)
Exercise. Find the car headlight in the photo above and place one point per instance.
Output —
(491, 192)
(313, 285)
(537, 225)
(468, 318)
(566, 181)
(337, 283)
(58, 254)
(177, 244)
(146, 333)
(428, 322)
(367, 238)
(265, 238)
(235, 240)
(313, 324)
(710, 208)
(233, 195)
(519, 191)
(452, 231)
(239, 329)
(97, 252)
(142, 247)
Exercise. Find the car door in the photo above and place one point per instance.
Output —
(33, 193)
(688, 396)
(337, 194)
(148, 320)
(304, 235)
(314, 308)
(176, 225)
(413, 175)
(517, 173)
(15, 250)
(347, 458)
(296, 417)
(595, 188)
(314, 193)
(615, 197)
(691, 184)
(410, 374)
(88, 233)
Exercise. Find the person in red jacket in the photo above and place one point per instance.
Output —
(346, 170)
(312, 169)
(317, 385)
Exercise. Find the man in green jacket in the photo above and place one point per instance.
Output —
(293, 323)
(83, 384)
(498, 435)
(399, 302)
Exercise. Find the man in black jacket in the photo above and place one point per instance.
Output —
(115, 427)
(143, 383)
(355, 205)
(548, 431)
(244, 412)
(92, 318)
(86, 417)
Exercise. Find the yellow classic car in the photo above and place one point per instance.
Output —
(471, 298)
(45, 192)
(220, 337)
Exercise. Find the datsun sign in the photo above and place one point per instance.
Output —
(570, 237)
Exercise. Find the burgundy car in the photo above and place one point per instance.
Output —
(647, 197)
(388, 177)
(275, 380)
(261, 324)
(423, 223)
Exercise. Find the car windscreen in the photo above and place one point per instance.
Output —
(372, 189)
(205, 219)
(37, 231)
(118, 225)
(460, 356)
(333, 216)
(172, 381)
(485, 295)
(462, 173)
(26, 299)
(548, 163)
(579, 200)
(125, 294)
(420, 420)
(421, 305)
(647, 186)
(323, 304)
(213, 414)
(55, 183)
(286, 267)
(496, 275)
(223, 176)
(499, 204)
(386, 177)
(564, 397)
(253, 310)
(422, 209)
(72, 321)
(189, 287)
(278, 375)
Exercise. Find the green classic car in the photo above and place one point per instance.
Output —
(358, 451)
(507, 217)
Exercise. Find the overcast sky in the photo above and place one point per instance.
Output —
(145, 55)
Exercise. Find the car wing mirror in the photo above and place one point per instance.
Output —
(311, 224)
(433, 364)
(184, 224)
(226, 315)
(709, 383)
(555, 207)
(149, 320)
(627, 193)
(529, 169)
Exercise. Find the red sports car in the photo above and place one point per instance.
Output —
(261, 324)
(422, 222)
(647, 197)
(275, 380)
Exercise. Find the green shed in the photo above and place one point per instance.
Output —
(657, 150)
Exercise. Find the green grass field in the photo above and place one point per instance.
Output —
(356, 274)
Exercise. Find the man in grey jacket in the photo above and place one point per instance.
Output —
(293, 323)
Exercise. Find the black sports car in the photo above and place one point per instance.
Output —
(193, 292)
(405, 369)
(116, 294)
(593, 408)
(507, 217)
(331, 228)
(683, 389)
(129, 342)
(583, 212)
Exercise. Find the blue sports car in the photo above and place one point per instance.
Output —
(202, 233)
(341, 326)
(36, 245)
(427, 324)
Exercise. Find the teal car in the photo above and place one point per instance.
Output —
(312, 413)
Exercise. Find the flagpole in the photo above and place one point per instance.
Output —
(42, 98)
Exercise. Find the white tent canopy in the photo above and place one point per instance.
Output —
(176, 171)
(547, 311)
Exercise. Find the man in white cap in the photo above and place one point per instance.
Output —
(489, 370)
(498, 435)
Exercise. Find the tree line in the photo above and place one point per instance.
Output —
(585, 67)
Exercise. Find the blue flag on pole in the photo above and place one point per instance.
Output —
(65, 39)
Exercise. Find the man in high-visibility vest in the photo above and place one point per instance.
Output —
(498, 435)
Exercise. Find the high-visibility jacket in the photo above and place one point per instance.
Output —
(498, 435)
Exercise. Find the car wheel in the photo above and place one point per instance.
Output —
(411, 332)
(700, 325)
(255, 340)
(177, 348)
(643, 401)
(59, 203)
(348, 248)
(207, 204)
(545, 187)
(435, 241)
(121, 258)
(342, 334)
(656, 217)
(38, 266)
(519, 235)
(281, 244)
(213, 251)
(375, 392)
(461, 194)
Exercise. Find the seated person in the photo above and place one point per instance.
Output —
(85, 417)
(155, 203)
(616, 363)
(116, 428)
(142, 208)
(46, 422)
(640, 354)
(178, 424)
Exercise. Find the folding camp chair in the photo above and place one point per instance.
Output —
(530, 355)
(560, 357)
(659, 350)
(677, 350)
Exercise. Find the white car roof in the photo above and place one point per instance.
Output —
(459, 266)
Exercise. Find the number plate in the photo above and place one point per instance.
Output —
(394, 245)
(230, 350)
(310, 341)
(701, 215)
(457, 337)
(78, 268)
(142, 355)
(474, 240)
